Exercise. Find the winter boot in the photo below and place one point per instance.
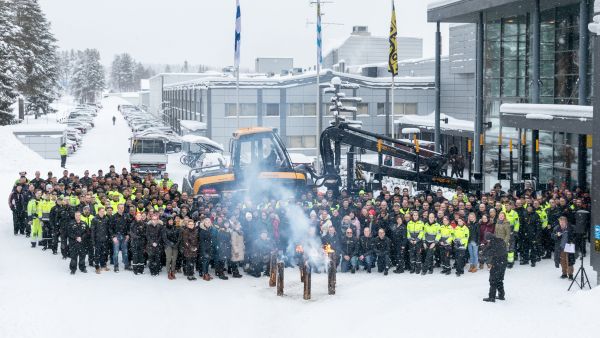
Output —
(191, 278)
(480, 266)
(398, 270)
(206, 277)
(430, 271)
(352, 270)
(222, 276)
(116, 268)
(490, 300)
(33, 244)
(97, 270)
(524, 263)
(385, 272)
(533, 264)
(424, 272)
(236, 274)
(501, 294)
(412, 270)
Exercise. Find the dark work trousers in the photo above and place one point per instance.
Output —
(100, 254)
(497, 280)
(137, 251)
(154, 254)
(77, 252)
(415, 256)
(460, 260)
(445, 252)
(429, 253)
(383, 262)
(46, 234)
(188, 268)
(63, 161)
(64, 247)
(55, 237)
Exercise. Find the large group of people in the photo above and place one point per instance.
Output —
(112, 218)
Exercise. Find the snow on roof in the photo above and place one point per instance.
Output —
(130, 94)
(290, 80)
(554, 110)
(441, 3)
(38, 128)
(428, 121)
(145, 84)
(193, 125)
(201, 140)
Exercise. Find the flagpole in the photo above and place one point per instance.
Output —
(393, 126)
(237, 96)
(238, 41)
(318, 111)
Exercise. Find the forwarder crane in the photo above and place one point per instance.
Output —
(428, 164)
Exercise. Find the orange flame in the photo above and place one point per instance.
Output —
(328, 249)
(299, 249)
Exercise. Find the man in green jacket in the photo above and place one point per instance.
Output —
(63, 154)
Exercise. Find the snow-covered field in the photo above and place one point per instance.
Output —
(38, 297)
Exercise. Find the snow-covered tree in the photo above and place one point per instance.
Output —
(10, 71)
(186, 67)
(168, 69)
(40, 59)
(88, 76)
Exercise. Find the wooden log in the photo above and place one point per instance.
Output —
(273, 270)
(280, 269)
(307, 281)
(331, 274)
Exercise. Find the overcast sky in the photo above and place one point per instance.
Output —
(202, 31)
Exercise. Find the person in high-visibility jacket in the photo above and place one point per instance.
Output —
(415, 235)
(513, 218)
(445, 238)
(545, 232)
(88, 247)
(461, 240)
(34, 215)
(431, 230)
(45, 206)
(163, 180)
(63, 152)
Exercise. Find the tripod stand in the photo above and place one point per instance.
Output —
(581, 274)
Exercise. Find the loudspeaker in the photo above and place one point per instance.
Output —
(582, 222)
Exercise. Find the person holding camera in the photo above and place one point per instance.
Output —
(562, 235)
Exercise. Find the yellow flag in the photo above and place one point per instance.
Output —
(393, 59)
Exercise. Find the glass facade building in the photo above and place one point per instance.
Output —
(509, 50)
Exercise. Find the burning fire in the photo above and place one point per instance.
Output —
(328, 249)
(299, 249)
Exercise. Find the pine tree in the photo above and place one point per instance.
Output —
(40, 60)
(88, 76)
(10, 71)
(168, 69)
(186, 67)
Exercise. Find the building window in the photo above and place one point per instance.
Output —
(310, 109)
(295, 109)
(380, 108)
(309, 141)
(362, 109)
(272, 109)
(303, 109)
(405, 108)
(230, 110)
(246, 109)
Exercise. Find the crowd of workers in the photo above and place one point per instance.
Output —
(109, 217)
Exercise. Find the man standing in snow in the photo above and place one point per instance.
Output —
(495, 253)
(63, 155)
(114, 120)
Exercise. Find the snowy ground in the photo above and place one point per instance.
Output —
(38, 298)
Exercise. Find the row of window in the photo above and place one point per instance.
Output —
(310, 109)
